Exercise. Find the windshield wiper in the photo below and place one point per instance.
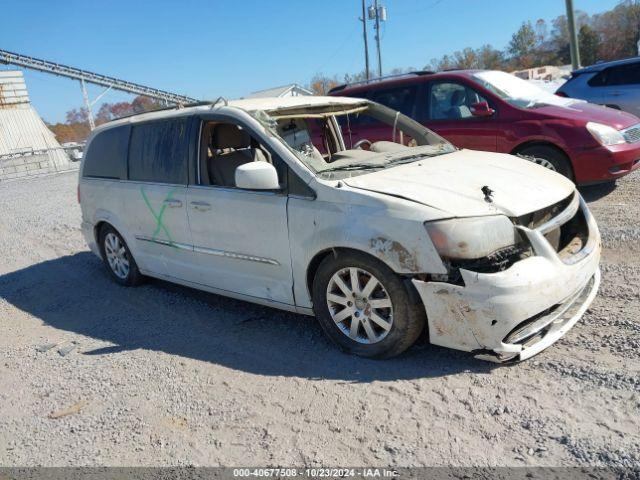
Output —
(344, 168)
(415, 157)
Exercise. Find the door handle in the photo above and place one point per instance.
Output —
(201, 206)
(172, 203)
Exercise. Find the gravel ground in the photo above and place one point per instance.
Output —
(165, 375)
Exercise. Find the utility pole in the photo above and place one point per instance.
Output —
(366, 42)
(375, 3)
(573, 37)
(379, 14)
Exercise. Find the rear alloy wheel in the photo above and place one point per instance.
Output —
(548, 157)
(118, 258)
(364, 307)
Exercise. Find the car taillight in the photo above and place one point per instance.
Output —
(562, 94)
(78, 192)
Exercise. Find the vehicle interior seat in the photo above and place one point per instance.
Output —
(439, 108)
(459, 108)
(231, 147)
(383, 146)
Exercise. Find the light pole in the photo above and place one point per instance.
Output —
(573, 37)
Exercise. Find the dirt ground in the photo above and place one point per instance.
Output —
(165, 375)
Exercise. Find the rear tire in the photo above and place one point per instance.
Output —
(377, 319)
(117, 258)
(548, 157)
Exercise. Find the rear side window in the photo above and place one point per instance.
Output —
(402, 99)
(628, 74)
(158, 152)
(107, 154)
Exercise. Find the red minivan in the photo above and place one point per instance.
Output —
(498, 112)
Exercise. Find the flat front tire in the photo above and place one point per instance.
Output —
(364, 307)
(117, 258)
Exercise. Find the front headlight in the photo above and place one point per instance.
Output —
(473, 237)
(604, 134)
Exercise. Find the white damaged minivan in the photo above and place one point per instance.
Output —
(279, 201)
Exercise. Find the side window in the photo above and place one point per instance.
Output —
(621, 75)
(451, 101)
(107, 154)
(402, 99)
(226, 146)
(624, 75)
(159, 151)
(600, 79)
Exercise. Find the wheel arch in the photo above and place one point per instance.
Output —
(544, 143)
(105, 222)
(318, 258)
(538, 143)
(97, 229)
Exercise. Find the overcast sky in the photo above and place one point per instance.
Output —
(233, 47)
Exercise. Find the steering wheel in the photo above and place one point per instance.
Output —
(359, 144)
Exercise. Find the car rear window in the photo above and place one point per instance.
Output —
(158, 152)
(107, 154)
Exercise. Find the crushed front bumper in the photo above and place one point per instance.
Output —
(516, 313)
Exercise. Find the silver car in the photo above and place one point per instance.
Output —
(614, 84)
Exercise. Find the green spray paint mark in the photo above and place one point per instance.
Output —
(158, 216)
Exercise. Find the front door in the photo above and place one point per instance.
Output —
(449, 115)
(240, 237)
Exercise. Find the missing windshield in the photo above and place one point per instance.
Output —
(354, 139)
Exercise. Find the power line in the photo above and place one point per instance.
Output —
(418, 10)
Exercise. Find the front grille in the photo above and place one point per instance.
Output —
(535, 219)
(563, 224)
(632, 134)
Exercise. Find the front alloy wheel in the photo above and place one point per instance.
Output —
(359, 305)
(364, 307)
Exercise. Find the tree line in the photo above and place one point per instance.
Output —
(604, 36)
(75, 128)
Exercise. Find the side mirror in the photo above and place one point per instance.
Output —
(482, 109)
(257, 176)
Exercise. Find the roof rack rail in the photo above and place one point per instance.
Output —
(177, 107)
(377, 79)
(218, 100)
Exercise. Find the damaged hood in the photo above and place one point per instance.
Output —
(454, 184)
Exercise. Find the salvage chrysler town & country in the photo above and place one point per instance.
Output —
(268, 201)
